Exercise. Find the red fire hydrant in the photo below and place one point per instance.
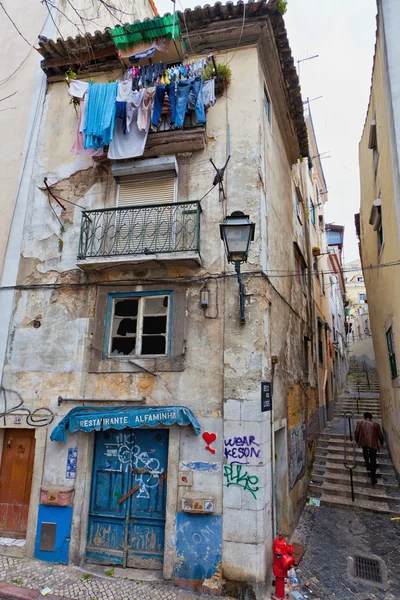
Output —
(283, 562)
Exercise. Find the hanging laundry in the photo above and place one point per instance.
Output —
(100, 114)
(161, 90)
(161, 44)
(77, 88)
(78, 146)
(209, 92)
(120, 113)
(192, 88)
(145, 109)
(124, 91)
(130, 107)
(133, 143)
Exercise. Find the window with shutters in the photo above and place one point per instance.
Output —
(146, 219)
(138, 324)
(149, 189)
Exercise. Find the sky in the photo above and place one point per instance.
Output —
(342, 34)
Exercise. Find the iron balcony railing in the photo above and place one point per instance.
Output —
(144, 229)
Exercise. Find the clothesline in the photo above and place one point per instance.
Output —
(119, 114)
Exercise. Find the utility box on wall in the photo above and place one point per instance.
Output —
(53, 533)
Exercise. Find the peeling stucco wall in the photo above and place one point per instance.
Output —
(224, 361)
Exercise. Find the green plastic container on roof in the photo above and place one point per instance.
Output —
(145, 31)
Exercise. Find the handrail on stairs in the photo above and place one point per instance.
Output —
(350, 466)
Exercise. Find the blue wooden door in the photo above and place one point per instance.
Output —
(127, 508)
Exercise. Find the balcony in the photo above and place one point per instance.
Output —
(168, 140)
(140, 234)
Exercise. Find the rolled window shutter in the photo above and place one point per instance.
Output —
(145, 230)
(136, 191)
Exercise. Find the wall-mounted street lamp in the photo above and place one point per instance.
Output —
(237, 231)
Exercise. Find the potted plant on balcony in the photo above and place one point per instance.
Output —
(222, 74)
(316, 251)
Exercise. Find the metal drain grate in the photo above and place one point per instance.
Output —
(368, 569)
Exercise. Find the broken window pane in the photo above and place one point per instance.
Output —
(154, 324)
(156, 305)
(126, 308)
(127, 326)
(123, 346)
(154, 344)
(139, 326)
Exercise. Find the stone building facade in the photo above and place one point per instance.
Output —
(168, 460)
(378, 223)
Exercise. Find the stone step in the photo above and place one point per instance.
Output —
(352, 394)
(359, 478)
(376, 415)
(370, 505)
(339, 447)
(382, 463)
(339, 469)
(362, 492)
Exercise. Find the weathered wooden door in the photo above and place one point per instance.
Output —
(127, 508)
(16, 481)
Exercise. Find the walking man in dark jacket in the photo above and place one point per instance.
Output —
(368, 436)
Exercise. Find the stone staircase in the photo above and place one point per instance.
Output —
(362, 377)
(358, 406)
(330, 479)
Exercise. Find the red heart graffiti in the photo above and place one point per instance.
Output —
(209, 438)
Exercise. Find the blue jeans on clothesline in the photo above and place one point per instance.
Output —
(159, 96)
(193, 88)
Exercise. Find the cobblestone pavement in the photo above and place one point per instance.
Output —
(333, 535)
(72, 582)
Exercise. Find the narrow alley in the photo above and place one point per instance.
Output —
(352, 549)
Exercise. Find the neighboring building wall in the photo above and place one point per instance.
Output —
(355, 288)
(380, 180)
(21, 79)
(316, 198)
(360, 341)
(89, 16)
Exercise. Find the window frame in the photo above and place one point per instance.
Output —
(313, 213)
(109, 323)
(301, 268)
(267, 106)
(391, 352)
(320, 346)
(175, 361)
(297, 202)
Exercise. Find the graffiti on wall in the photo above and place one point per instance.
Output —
(198, 546)
(239, 450)
(11, 402)
(130, 456)
(298, 453)
(209, 438)
(235, 475)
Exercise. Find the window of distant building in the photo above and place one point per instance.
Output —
(360, 279)
(297, 203)
(312, 213)
(320, 343)
(300, 266)
(391, 352)
(361, 298)
(267, 106)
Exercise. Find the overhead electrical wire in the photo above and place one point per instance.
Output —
(186, 279)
